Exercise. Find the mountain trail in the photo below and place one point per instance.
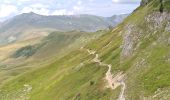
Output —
(113, 81)
(121, 96)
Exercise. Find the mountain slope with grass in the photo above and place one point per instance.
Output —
(19, 57)
(130, 62)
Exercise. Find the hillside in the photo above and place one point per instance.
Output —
(18, 57)
(130, 62)
(24, 25)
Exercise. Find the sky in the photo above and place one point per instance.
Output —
(105, 8)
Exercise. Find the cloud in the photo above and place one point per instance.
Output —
(62, 12)
(115, 0)
(79, 2)
(91, 0)
(7, 10)
(42, 11)
(23, 0)
(59, 12)
(7, 2)
(77, 8)
(38, 5)
(126, 1)
(36, 8)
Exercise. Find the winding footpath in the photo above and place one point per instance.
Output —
(112, 82)
(121, 96)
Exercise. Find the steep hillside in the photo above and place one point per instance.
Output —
(24, 25)
(130, 62)
(18, 57)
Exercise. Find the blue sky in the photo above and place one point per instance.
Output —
(106, 8)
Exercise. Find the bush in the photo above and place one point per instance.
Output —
(92, 83)
(26, 51)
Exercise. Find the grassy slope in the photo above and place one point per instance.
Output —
(66, 73)
(75, 77)
(53, 47)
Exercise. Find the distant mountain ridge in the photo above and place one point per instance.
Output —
(18, 25)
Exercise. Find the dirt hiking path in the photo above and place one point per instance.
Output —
(113, 81)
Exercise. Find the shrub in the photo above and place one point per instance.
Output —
(26, 51)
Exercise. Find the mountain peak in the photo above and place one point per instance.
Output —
(30, 14)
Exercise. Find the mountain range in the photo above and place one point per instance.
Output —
(18, 26)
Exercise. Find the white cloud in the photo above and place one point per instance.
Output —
(75, 10)
(91, 0)
(23, 0)
(36, 8)
(7, 1)
(38, 5)
(62, 12)
(59, 12)
(7, 10)
(115, 0)
(79, 2)
(78, 9)
(126, 1)
(41, 11)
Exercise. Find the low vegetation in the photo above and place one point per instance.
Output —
(26, 51)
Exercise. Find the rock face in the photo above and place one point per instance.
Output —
(128, 41)
(131, 38)
(133, 34)
(158, 21)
